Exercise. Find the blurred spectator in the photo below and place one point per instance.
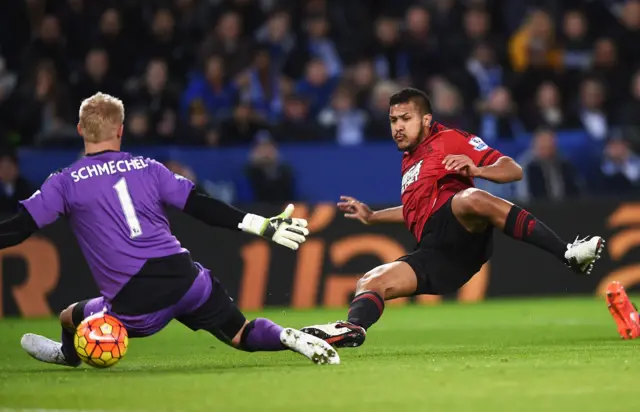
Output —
(627, 34)
(137, 129)
(112, 39)
(476, 31)
(535, 37)
(295, 124)
(44, 105)
(47, 45)
(76, 19)
(391, 57)
(270, 178)
(166, 43)
(242, 127)
(191, 19)
(630, 111)
(198, 127)
(277, 35)
(607, 68)
(576, 45)
(547, 175)
(499, 117)
(447, 16)
(317, 86)
(591, 109)
(315, 45)
(620, 168)
(448, 107)
(261, 87)
(378, 127)
(13, 186)
(363, 78)
(422, 45)
(537, 72)
(154, 92)
(8, 82)
(96, 77)
(166, 128)
(485, 70)
(226, 41)
(216, 92)
(343, 119)
(547, 110)
(252, 13)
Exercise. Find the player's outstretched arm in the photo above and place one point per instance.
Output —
(390, 215)
(282, 229)
(17, 229)
(504, 170)
(355, 209)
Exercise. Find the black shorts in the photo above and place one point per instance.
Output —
(448, 255)
(157, 295)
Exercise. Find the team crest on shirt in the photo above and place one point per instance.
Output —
(411, 176)
(478, 144)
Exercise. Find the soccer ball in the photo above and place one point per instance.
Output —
(101, 340)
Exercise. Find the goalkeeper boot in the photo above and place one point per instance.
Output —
(317, 350)
(44, 349)
(339, 334)
(583, 253)
(623, 311)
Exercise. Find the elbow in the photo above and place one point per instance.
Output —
(518, 174)
(515, 171)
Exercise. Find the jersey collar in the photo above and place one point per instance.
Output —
(101, 152)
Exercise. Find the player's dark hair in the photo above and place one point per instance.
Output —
(409, 94)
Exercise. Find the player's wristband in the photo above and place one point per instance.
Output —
(253, 224)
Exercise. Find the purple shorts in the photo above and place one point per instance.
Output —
(197, 309)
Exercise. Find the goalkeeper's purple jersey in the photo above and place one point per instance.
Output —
(114, 203)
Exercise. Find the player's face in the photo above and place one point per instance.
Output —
(407, 125)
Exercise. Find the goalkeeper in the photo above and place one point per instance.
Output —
(115, 203)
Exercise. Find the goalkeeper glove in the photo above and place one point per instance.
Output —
(282, 229)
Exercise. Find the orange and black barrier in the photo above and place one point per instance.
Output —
(47, 272)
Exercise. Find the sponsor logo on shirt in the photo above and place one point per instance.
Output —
(411, 175)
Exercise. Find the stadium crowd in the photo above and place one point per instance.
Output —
(220, 73)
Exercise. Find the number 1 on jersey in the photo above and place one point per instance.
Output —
(127, 208)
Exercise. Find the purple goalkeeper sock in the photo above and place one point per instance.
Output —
(261, 335)
(68, 348)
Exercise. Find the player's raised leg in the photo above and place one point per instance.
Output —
(50, 351)
(475, 209)
(385, 282)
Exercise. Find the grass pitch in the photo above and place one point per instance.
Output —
(534, 355)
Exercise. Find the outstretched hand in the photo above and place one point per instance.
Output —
(282, 229)
(355, 209)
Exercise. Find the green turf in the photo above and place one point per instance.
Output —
(541, 355)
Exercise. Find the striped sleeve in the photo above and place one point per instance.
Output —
(473, 147)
